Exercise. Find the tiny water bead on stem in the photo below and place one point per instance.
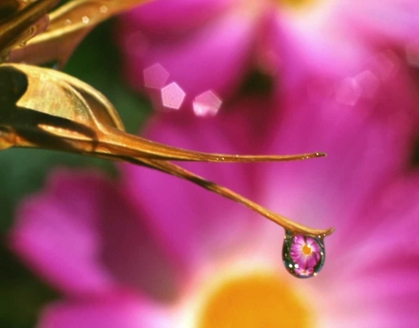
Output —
(303, 256)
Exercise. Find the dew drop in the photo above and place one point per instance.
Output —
(103, 9)
(85, 20)
(303, 256)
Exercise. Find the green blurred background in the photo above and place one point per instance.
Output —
(23, 171)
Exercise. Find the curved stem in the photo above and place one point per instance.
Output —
(179, 172)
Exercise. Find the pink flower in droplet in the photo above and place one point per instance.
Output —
(306, 254)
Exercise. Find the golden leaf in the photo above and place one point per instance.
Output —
(68, 25)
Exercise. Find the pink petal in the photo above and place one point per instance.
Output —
(338, 39)
(300, 47)
(366, 145)
(164, 17)
(372, 262)
(386, 230)
(211, 58)
(382, 294)
(108, 312)
(81, 236)
(55, 233)
(381, 22)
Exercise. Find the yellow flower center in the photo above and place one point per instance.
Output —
(255, 301)
(294, 3)
(306, 250)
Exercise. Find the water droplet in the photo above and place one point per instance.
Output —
(303, 256)
(103, 9)
(85, 20)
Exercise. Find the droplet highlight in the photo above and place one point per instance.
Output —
(303, 256)
(85, 20)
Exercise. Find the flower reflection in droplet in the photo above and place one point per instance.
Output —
(303, 256)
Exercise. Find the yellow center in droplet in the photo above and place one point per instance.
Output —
(306, 250)
(255, 301)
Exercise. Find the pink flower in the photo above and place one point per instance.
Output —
(303, 256)
(154, 251)
(195, 53)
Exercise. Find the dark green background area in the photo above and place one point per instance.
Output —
(23, 171)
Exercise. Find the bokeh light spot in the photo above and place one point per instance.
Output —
(368, 83)
(385, 65)
(172, 96)
(103, 9)
(347, 92)
(206, 104)
(155, 76)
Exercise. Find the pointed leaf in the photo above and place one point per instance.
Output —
(82, 116)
